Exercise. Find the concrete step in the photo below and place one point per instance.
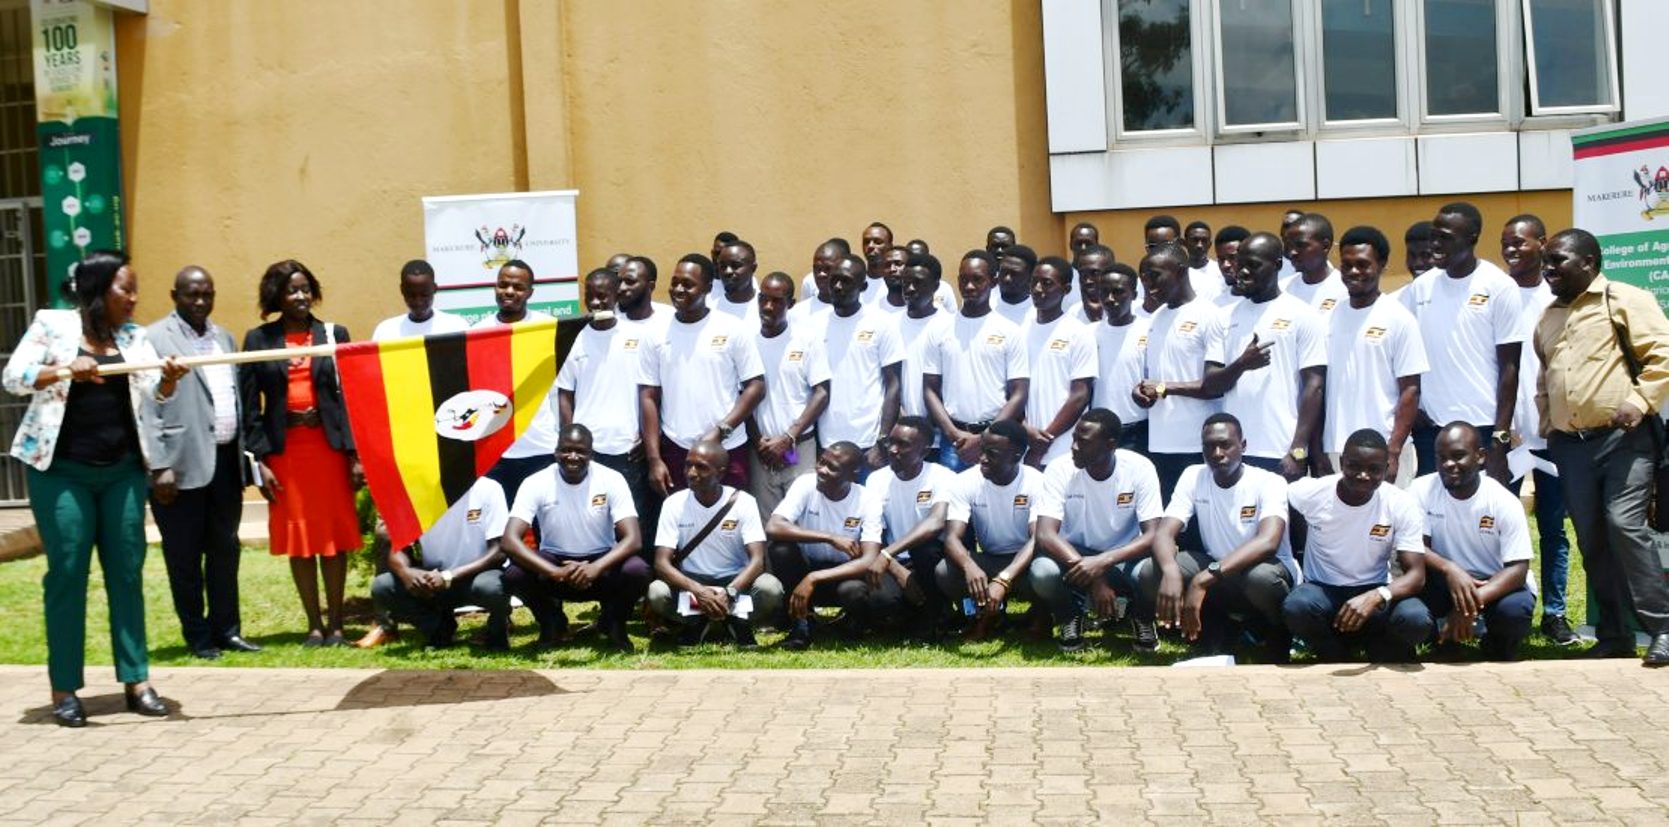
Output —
(20, 539)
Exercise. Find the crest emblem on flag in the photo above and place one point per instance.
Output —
(472, 415)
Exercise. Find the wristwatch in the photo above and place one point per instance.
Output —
(1384, 594)
(446, 577)
(1159, 390)
(730, 592)
(725, 430)
(1215, 569)
(1299, 454)
(1503, 437)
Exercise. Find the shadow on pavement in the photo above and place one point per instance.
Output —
(423, 687)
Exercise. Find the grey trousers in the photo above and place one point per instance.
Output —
(769, 486)
(766, 592)
(1262, 588)
(434, 615)
(1607, 480)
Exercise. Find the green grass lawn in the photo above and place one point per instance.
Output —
(272, 617)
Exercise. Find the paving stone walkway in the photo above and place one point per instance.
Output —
(1520, 744)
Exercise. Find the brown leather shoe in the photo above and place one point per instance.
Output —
(376, 637)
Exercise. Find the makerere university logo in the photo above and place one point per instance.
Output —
(500, 246)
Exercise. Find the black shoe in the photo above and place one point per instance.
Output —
(1072, 634)
(693, 634)
(1147, 635)
(1657, 654)
(799, 637)
(1619, 648)
(205, 653)
(615, 633)
(236, 643)
(742, 632)
(1558, 630)
(145, 702)
(68, 712)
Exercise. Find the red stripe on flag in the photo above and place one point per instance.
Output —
(360, 366)
(490, 369)
(1623, 146)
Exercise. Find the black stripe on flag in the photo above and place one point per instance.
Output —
(448, 358)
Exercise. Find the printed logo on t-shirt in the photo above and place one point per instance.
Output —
(1379, 531)
(1374, 334)
(796, 355)
(1186, 327)
(1057, 344)
(629, 344)
(1477, 300)
(1248, 513)
(1125, 498)
(924, 496)
(1022, 501)
(1281, 324)
(1486, 524)
(865, 335)
(727, 525)
(1141, 341)
(472, 516)
(851, 522)
(600, 499)
(1328, 304)
(994, 339)
(719, 341)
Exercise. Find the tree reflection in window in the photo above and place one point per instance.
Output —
(1156, 64)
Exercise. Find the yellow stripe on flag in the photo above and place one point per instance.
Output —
(411, 425)
(533, 363)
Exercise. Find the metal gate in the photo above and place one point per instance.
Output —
(18, 299)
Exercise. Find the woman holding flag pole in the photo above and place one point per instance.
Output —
(296, 428)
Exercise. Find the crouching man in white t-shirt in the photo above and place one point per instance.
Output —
(1356, 523)
(1244, 564)
(815, 549)
(716, 566)
(1479, 564)
(458, 566)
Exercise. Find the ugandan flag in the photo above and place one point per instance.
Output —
(432, 414)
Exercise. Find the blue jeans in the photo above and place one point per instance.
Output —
(1555, 546)
(1065, 600)
(948, 457)
(1391, 633)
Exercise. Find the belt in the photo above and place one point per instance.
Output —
(1585, 434)
(971, 427)
(306, 419)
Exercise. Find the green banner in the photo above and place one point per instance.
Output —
(80, 143)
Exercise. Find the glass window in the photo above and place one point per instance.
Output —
(1462, 73)
(1259, 78)
(1570, 50)
(1156, 65)
(1359, 59)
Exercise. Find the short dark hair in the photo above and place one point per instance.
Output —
(519, 265)
(726, 237)
(703, 263)
(1110, 425)
(417, 267)
(576, 430)
(1086, 225)
(778, 275)
(982, 255)
(928, 261)
(1169, 249)
(648, 266)
(1366, 438)
(1318, 222)
(1124, 269)
(1163, 221)
(841, 244)
(93, 277)
(919, 424)
(1583, 243)
(1371, 236)
(273, 282)
(1224, 418)
(1535, 222)
(1022, 252)
(742, 244)
(874, 224)
(1418, 233)
(916, 242)
(1466, 210)
(1098, 249)
(1058, 263)
(847, 447)
(855, 260)
(1196, 225)
(1012, 431)
(1231, 233)
(604, 274)
(999, 229)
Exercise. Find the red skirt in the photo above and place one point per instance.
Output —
(313, 516)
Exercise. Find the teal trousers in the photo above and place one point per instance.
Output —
(77, 507)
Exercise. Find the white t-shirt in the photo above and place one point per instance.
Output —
(461, 534)
(601, 372)
(723, 552)
(1121, 356)
(808, 508)
(1483, 534)
(539, 440)
(1462, 321)
(1228, 517)
(919, 336)
(1176, 346)
(1325, 296)
(1353, 545)
(1001, 515)
(1101, 515)
(1266, 399)
(1368, 350)
(794, 364)
(660, 315)
(1060, 352)
(575, 520)
(858, 347)
(895, 506)
(1207, 282)
(1015, 313)
(402, 326)
(700, 367)
(1532, 303)
(975, 363)
(747, 312)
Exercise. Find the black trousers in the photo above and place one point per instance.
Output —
(200, 547)
(1608, 478)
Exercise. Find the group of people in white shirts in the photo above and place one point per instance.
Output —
(1207, 442)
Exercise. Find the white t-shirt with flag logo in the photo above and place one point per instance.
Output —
(601, 372)
(1229, 517)
(1101, 515)
(1266, 399)
(401, 326)
(975, 363)
(1353, 545)
(1121, 354)
(895, 506)
(1060, 352)
(794, 364)
(1461, 322)
(919, 336)
(1368, 350)
(1016, 314)
(857, 347)
(1482, 534)
(724, 551)
(810, 509)
(1001, 515)
(575, 520)
(1176, 346)
(700, 367)
(461, 535)
(1325, 296)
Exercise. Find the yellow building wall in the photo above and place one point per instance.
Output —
(1122, 229)
(312, 128)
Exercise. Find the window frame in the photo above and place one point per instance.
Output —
(1534, 109)
(1114, 72)
(1301, 125)
(1507, 108)
(1398, 124)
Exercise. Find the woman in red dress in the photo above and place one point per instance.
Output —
(297, 428)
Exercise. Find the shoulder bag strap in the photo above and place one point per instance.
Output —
(684, 550)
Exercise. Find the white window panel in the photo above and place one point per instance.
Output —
(1276, 171)
(1366, 168)
(1463, 60)
(1155, 69)
(1361, 63)
(1570, 55)
(1477, 162)
(1074, 79)
(1257, 88)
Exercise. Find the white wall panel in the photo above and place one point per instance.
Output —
(1075, 85)
(1366, 168)
(1544, 160)
(1477, 162)
(1172, 176)
(1642, 24)
(1250, 173)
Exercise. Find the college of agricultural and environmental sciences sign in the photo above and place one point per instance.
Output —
(469, 237)
(80, 151)
(1621, 193)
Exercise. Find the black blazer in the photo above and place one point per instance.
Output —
(265, 388)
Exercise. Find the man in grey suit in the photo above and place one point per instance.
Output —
(197, 472)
